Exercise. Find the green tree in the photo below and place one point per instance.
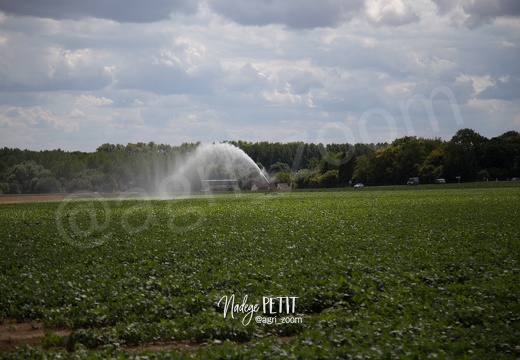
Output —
(313, 163)
(26, 175)
(302, 178)
(91, 180)
(364, 169)
(328, 179)
(501, 156)
(279, 167)
(283, 177)
(48, 184)
(482, 175)
(432, 167)
(464, 155)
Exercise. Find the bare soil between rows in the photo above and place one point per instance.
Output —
(26, 198)
(13, 334)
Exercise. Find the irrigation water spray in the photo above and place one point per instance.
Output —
(217, 161)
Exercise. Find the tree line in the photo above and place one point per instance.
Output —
(467, 156)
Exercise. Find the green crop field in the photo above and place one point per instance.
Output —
(398, 272)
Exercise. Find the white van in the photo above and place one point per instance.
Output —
(413, 181)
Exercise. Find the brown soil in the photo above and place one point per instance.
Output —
(27, 198)
(24, 198)
(13, 334)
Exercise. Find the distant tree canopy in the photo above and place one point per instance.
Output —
(116, 167)
(110, 168)
(467, 155)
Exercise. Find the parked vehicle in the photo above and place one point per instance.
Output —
(413, 181)
(440, 181)
(359, 185)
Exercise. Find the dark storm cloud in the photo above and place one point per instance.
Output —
(483, 11)
(298, 14)
(118, 10)
(480, 12)
(445, 6)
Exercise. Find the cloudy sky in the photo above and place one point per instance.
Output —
(75, 74)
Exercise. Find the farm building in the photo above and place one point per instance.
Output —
(220, 185)
(283, 186)
(260, 186)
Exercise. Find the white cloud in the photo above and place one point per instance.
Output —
(479, 83)
(77, 113)
(5, 121)
(391, 13)
(28, 64)
(91, 100)
(285, 96)
(38, 117)
(509, 44)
